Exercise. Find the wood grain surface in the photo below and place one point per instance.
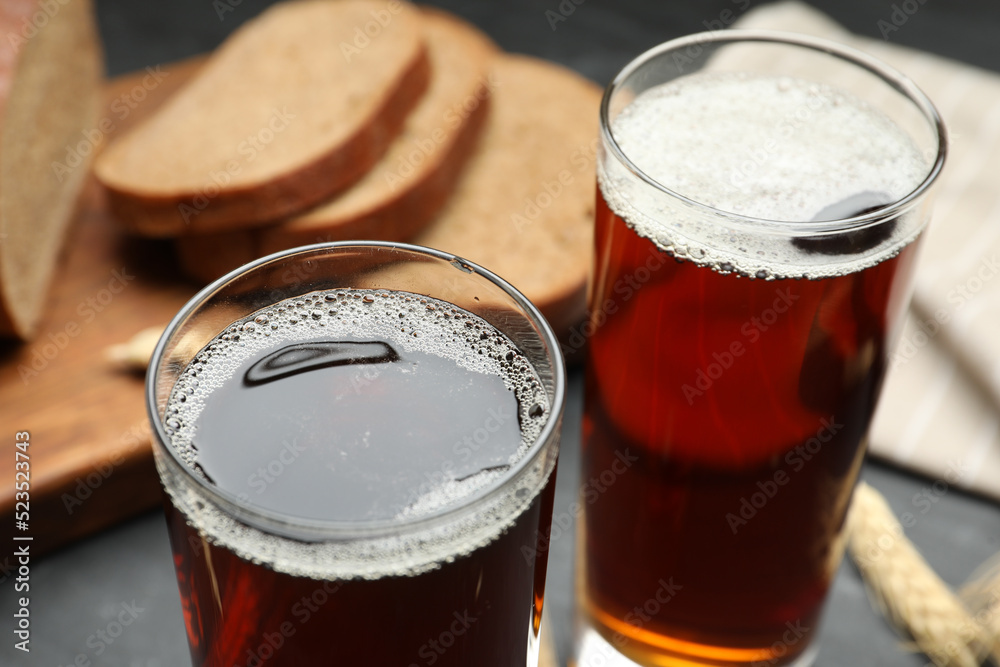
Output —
(90, 457)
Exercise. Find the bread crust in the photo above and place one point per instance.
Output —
(390, 214)
(211, 208)
(42, 118)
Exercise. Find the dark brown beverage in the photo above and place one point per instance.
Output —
(742, 310)
(746, 450)
(381, 417)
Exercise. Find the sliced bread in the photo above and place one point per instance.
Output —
(50, 99)
(295, 106)
(525, 205)
(407, 187)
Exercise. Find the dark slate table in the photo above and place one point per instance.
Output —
(125, 575)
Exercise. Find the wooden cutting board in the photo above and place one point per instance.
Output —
(90, 458)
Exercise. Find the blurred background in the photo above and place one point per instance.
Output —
(78, 589)
(596, 39)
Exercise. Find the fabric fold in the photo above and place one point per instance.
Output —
(940, 409)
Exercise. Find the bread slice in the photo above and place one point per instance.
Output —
(408, 186)
(295, 106)
(525, 206)
(50, 99)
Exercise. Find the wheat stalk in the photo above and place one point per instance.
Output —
(135, 354)
(982, 597)
(905, 588)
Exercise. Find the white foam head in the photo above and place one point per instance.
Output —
(769, 148)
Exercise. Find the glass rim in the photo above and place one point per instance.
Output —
(285, 525)
(889, 75)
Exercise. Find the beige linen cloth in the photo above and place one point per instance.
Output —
(940, 408)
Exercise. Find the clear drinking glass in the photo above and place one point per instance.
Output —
(411, 541)
(761, 200)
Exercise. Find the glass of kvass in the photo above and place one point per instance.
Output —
(761, 201)
(357, 444)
